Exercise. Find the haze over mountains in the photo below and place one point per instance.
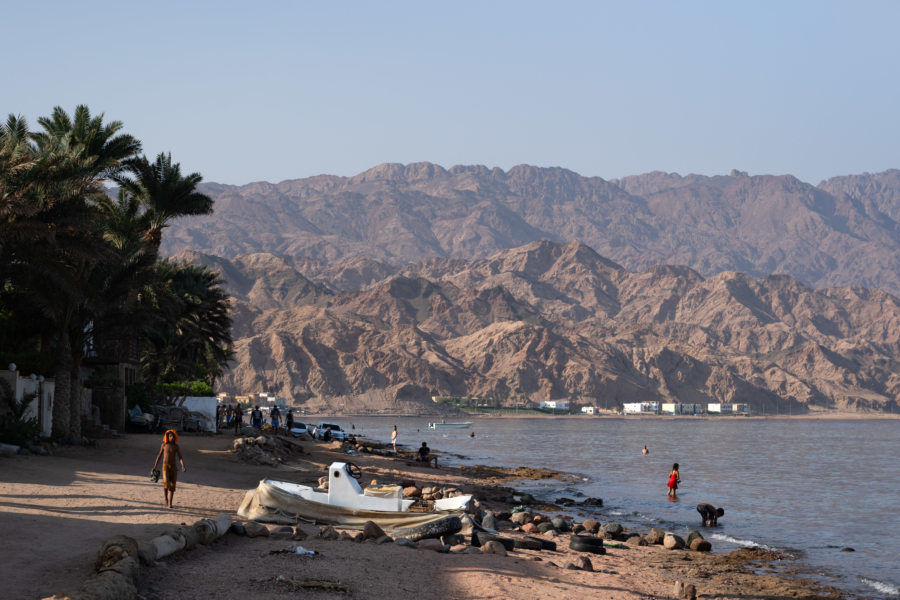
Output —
(403, 282)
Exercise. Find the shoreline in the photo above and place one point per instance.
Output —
(837, 416)
(81, 496)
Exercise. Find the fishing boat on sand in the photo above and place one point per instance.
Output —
(346, 504)
(443, 425)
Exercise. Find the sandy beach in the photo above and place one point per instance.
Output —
(56, 511)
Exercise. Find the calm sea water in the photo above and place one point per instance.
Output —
(808, 486)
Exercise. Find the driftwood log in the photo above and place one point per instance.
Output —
(116, 569)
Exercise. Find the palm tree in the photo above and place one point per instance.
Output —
(81, 152)
(165, 194)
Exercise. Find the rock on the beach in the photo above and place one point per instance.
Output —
(299, 534)
(685, 591)
(255, 529)
(285, 531)
(430, 544)
(613, 529)
(673, 542)
(578, 528)
(327, 532)
(584, 563)
(545, 527)
(593, 502)
(371, 530)
(530, 528)
(384, 539)
(520, 518)
(693, 535)
(237, 528)
(560, 524)
(411, 492)
(591, 525)
(405, 542)
(656, 536)
(701, 545)
(488, 522)
(564, 501)
(493, 547)
(636, 540)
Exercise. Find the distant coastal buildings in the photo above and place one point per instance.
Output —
(672, 408)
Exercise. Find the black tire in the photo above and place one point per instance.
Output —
(580, 547)
(528, 544)
(484, 537)
(587, 540)
(545, 544)
(435, 529)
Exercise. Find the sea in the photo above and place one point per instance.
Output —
(811, 488)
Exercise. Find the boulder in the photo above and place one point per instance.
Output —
(592, 502)
(520, 518)
(530, 528)
(701, 545)
(591, 525)
(636, 540)
(578, 528)
(412, 492)
(564, 501)
(673, 542)
(545, 527)
(656, 536)
(539, 519)
(327, 532)
(560, 524)
(299, 534)
(371, 530)
(255, 529)
(693, 535)
(493, 547)
(613, 529)
(488, 522)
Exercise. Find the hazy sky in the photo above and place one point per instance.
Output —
(249, 91)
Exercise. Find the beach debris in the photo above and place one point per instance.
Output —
(296, 584)
(264, 450)
(673, 542)
(528, 543)
(483, 537)
(384, 539)
(493, 547)
(587, 543)
(488, 521)
(237, 528)
(432, 544)
(434, 529)
(295, 550)
(401, 541)
(327, 532)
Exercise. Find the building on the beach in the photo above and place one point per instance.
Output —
(268, 399)
(637, 408)
(555, 404)
(728, 408)
(589, 410)
(682, 408)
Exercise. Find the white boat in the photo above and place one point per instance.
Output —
(345, 503)
(443, 425)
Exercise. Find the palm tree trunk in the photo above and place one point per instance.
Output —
(63, 387)
(75, 401)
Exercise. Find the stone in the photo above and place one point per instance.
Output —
(327, 532)
(299, 534)
(545, 527)
(613, 529)
(412, 492)
(636, 540)
(530, 528)
(520, 518)
(701, 545)
(539, 519)
(371, 530)
(592, 502)
(237, 528)
(493, 547)
(255, 529)
(591, 525)
(584, 563)
(673, 542)
(452, 539)
(578, 528)
(564, 501)
(405, 542)
(431, 544)
(693, 535)
(656, 536)
(569, 565)
(560, 524)
(285, 532)
(685, 591)
(488, 522)
(384, 539)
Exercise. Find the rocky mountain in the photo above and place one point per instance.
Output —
(550, 321)
(845, 231)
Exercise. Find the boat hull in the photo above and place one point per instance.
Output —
(449, 425)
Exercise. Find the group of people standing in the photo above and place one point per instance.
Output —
(233, 416)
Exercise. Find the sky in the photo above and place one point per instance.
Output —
(269, 91)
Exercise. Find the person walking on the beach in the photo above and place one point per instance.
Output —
(256, 417)
(710, 514)
(238, 417)
(289, 420)
(674, 479)
(168, 451)
(394, 439)
(276, 417)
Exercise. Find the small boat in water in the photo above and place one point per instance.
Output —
(345, 503)
(443, 425)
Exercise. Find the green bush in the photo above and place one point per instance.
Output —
(14, 427)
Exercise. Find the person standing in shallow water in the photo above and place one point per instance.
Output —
(168, 452)
(674, 479)
(394, 439)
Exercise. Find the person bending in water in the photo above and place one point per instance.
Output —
(674, 479)
(710, 514)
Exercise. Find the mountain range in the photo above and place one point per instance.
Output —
(552, 321)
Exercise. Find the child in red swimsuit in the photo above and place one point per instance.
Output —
(674, 478)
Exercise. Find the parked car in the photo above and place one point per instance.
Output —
(337, 433)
